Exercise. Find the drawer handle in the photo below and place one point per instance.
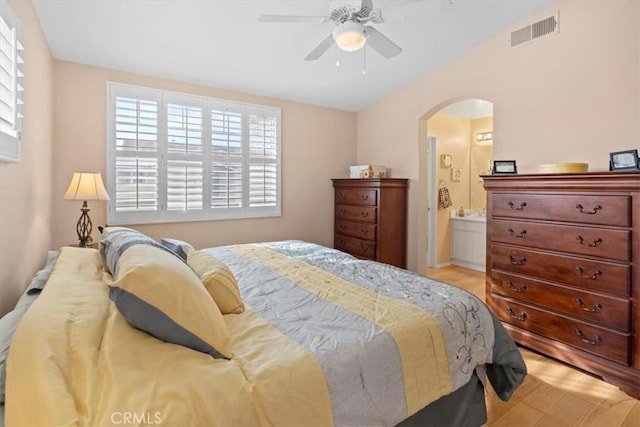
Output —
(520, 207)
(364, 231)
(519, 289)
(595, 340)
(364, 196)
(343, 196)
(592, 212)
(364, 214)
(594, 309)
(522, 316)
(595, 243)
(514, 234)
(364, 247)
(515, 261)
(343, 212)
(593, 276)
(343, 227)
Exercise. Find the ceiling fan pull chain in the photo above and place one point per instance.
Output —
(364, 61)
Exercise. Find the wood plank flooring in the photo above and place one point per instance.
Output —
(553, 394)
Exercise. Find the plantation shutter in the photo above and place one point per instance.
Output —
(179, 157)
(185, 157)
(11, 89)
(263, 158)
(134, 176)
(227, 137)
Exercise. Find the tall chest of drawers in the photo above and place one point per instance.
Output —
(563, 268)
(370, 219)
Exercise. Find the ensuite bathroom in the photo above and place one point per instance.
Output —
(462, 134)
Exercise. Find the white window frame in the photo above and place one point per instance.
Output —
(11, 130)
(162, 214)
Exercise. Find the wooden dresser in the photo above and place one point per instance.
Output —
(371, 219)
(563, 268)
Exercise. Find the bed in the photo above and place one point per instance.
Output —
(309, 336)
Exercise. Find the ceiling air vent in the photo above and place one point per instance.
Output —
(545, 27)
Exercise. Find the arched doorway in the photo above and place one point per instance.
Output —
(458, 136)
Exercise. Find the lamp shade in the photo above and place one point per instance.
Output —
(349, 36)
(86, 186)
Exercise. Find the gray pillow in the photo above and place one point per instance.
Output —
(181, 248)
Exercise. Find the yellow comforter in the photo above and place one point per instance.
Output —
(76, 361)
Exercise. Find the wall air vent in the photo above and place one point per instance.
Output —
(542, 28)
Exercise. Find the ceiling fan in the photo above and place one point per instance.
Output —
(352, 30)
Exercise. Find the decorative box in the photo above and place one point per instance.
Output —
(367, 171)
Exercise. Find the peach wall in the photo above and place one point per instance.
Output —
(480, 157)
(571, 97)
(317, 144)
(25, 187)
(452, 136)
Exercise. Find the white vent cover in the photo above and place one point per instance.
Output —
(542, 28)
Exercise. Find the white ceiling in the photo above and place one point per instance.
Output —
(220, 43)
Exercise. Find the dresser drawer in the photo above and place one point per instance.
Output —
(588, 209)
(600, 341)
(594, 308)
(605, 243)
(359, 248)
(350, 196)
(360, 230)
(604, 277)
(356, 213)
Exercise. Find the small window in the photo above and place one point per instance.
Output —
(10, 84)
(179, 157)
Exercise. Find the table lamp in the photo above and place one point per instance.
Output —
(85, 186)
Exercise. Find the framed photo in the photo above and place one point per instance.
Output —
(504, 166)
(456, 174)
(624, 160)
(445, 160)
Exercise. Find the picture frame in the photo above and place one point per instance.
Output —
(624, 160)
(445, 160)
(456, 174)
(504, 167)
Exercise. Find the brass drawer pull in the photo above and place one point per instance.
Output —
(595, 340)
(343, 212)
(515, 261)
(595, 243)
(592, 212)
(343, 196)
(343, 227)
(520, 207)
(364, 196)
(514, 234)
(364, 214)
(593, 276)
(364, 231)
(519, 289)
(522, 316)
(594, 309)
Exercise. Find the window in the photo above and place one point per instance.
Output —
(178, 157)
(10, 85)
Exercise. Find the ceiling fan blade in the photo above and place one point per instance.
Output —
(320, 49)
(381, 43)
(292, 19)
(367, 7)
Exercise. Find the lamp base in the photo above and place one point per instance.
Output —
(84, 227)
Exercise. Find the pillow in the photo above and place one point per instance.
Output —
(116, 240)
(159, 294)
(218, 280)
(180, 248)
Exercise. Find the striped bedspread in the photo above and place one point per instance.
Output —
(325, 339)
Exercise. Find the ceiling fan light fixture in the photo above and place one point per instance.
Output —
(350, 36)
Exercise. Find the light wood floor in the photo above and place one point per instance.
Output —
(553, 394)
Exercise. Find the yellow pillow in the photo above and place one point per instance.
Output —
(218, 280)
(159, 294)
